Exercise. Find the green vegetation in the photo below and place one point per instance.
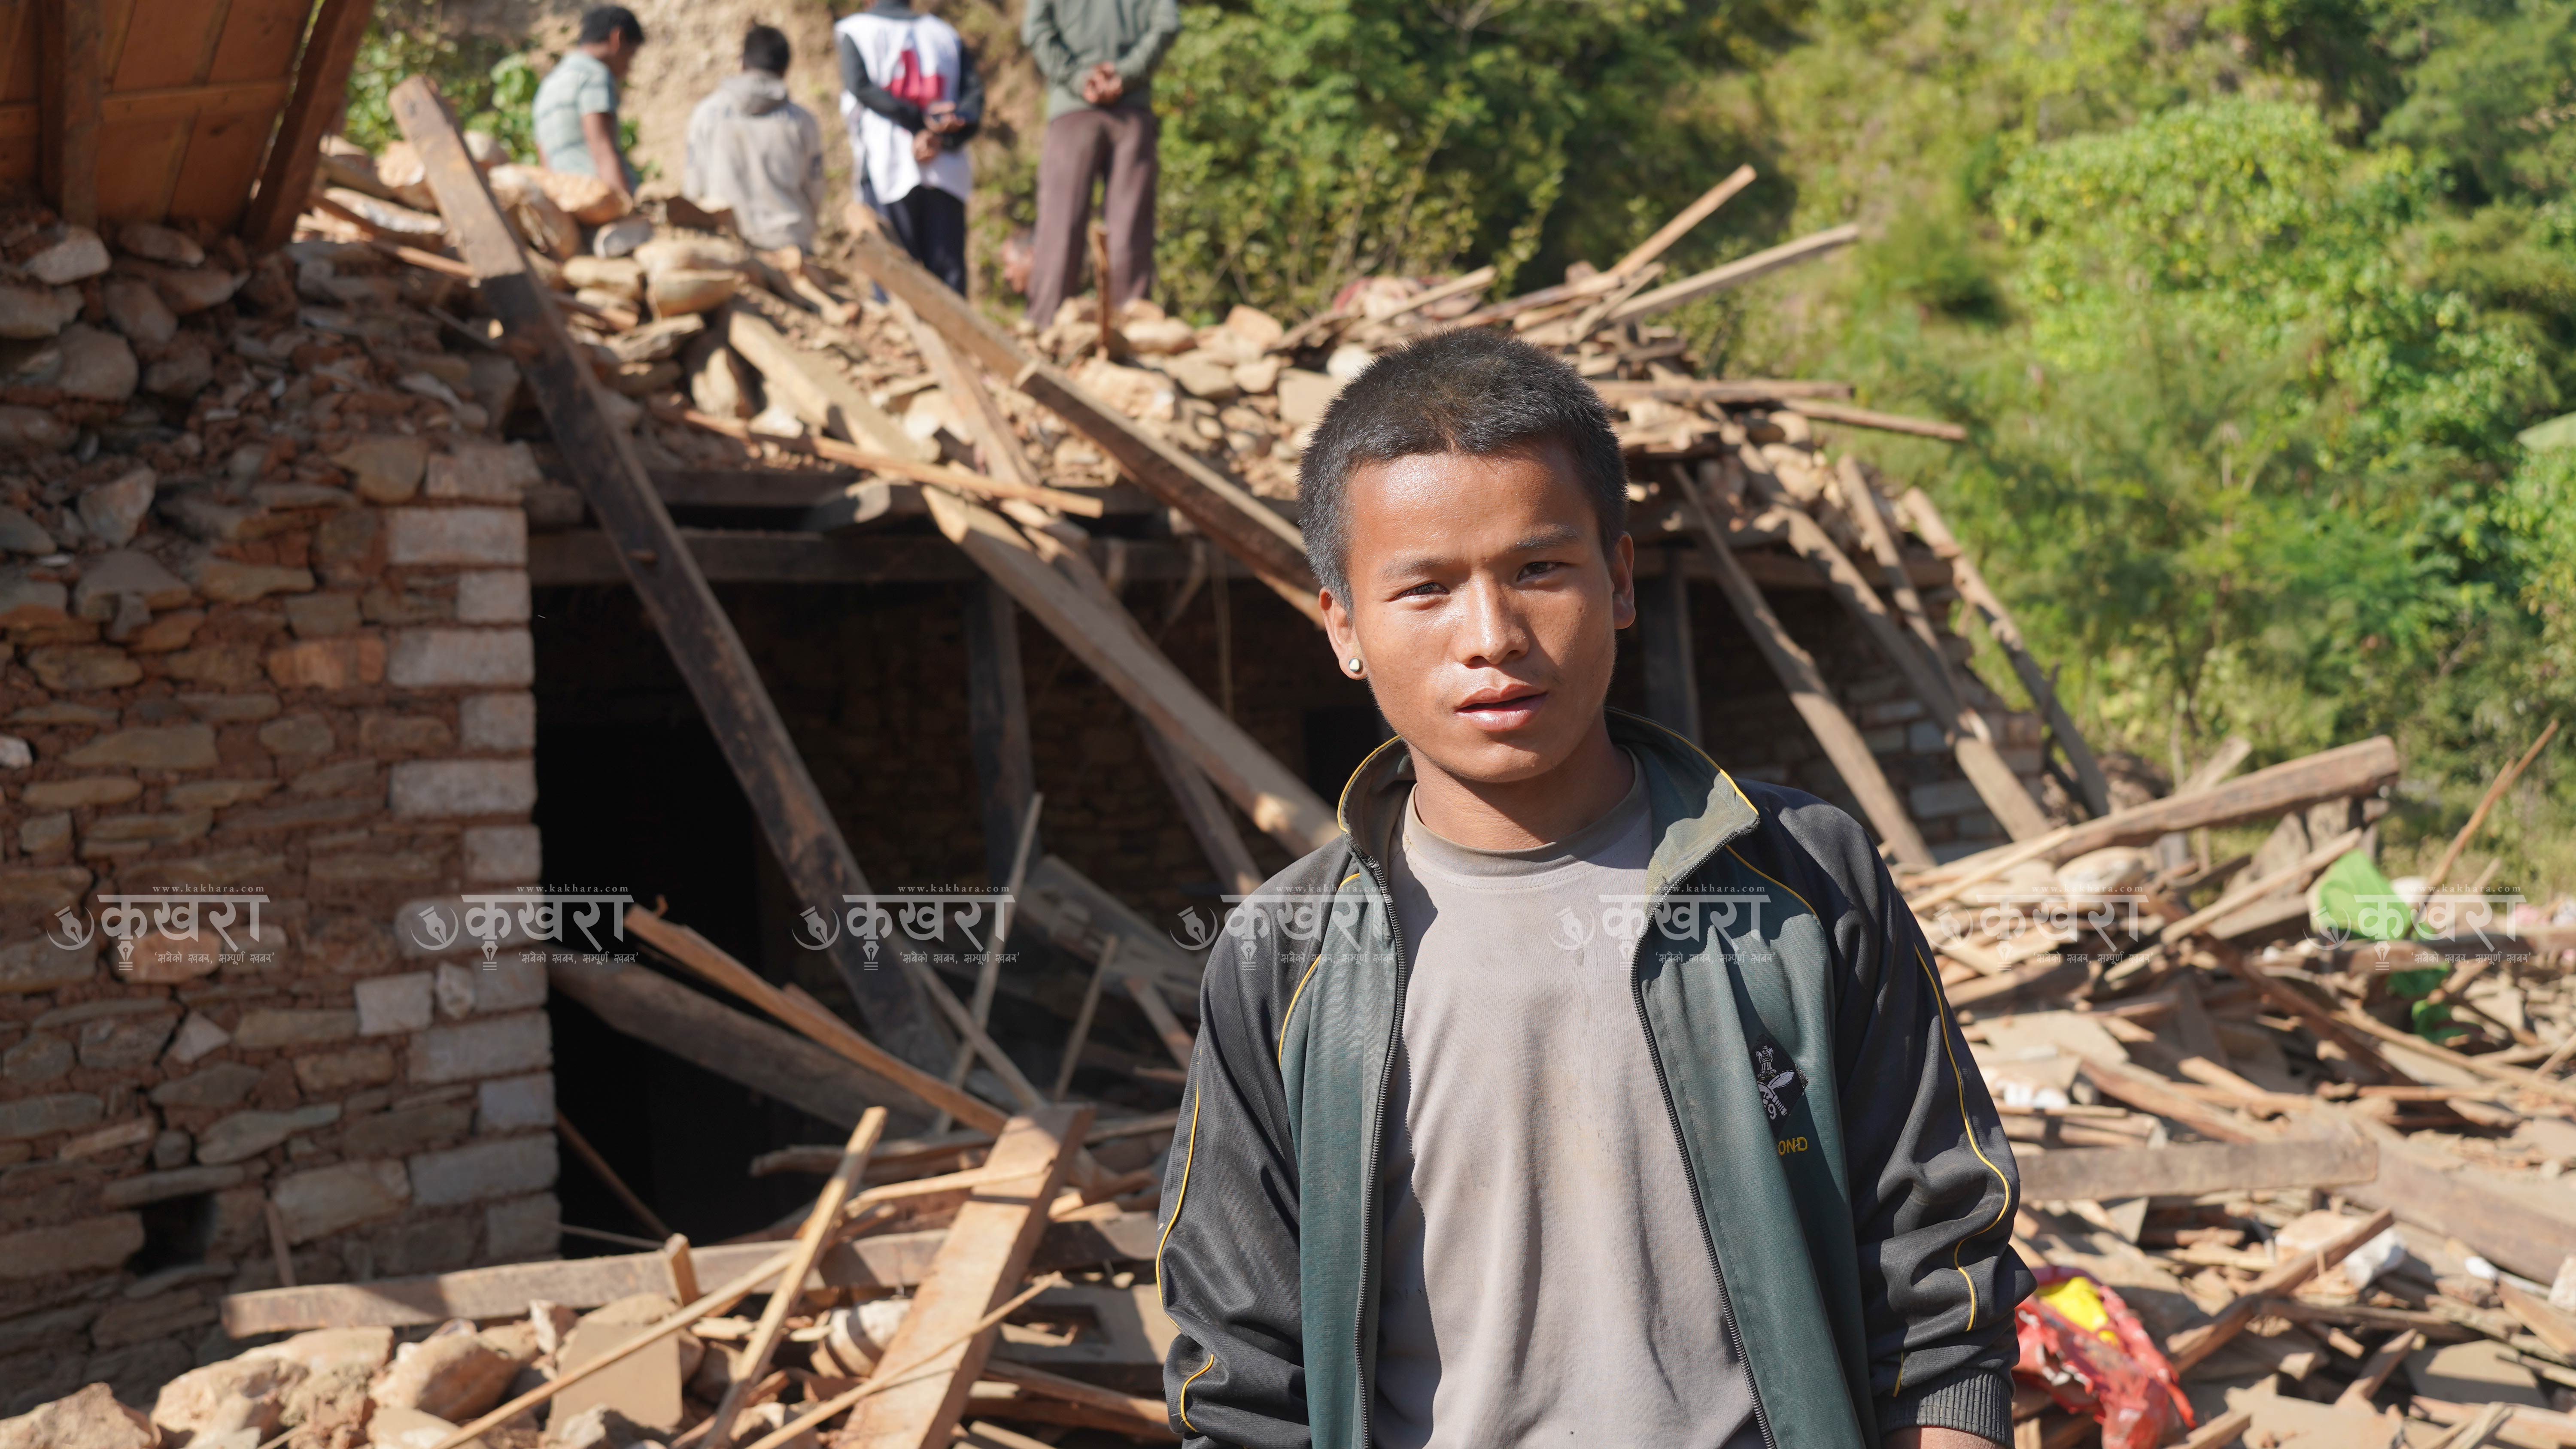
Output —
(2243, 305)
(491, 86)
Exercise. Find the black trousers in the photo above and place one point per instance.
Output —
(931, 225)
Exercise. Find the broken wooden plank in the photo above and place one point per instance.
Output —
(2438, 1192)
(1203, 811)
(815, 388)
(1176, 1037)
(2189, 1347)
(739, 1048)
(989, 1247)
(1963, 730)
(1797, 672)
(817, 1234)
(601, 455)
(1681, 224)
(876, 1263)
(1138, 1415)
(1734, 274)
(321, 92)
(2101, 1174)
(1852, 417)
(713, 964)
(1241, 524)
(1276, 799)
(1718, 390)
(2358, 768)
(1935, 531)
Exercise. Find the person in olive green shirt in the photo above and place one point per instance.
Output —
(1098, 57)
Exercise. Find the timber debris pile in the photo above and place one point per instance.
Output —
(2293, 1137)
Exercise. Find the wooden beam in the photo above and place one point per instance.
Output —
(2098, 1174)
(875, 1262)
(1734, 274)
(987, 1254)
(2359, 768)
(321, 87)
(1241, 524)
(71, 77)
(1719, 390)
(711, 963)
(1680, 226)
(1962, 729)
(815, 388)
(710, 655)
(1797, 673)
(1077, 914)
(1278, 801)
(1972, 587)
(1664, 629)
(1203, 811)
(1852, 417)
(997, 722)
(741, 1049)
(785, 489)
(1149, 997)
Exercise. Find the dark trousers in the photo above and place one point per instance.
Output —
(1082, 146)
(931, 225)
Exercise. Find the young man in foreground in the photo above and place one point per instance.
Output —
(1577, 1096)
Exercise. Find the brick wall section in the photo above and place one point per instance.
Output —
(319, 689)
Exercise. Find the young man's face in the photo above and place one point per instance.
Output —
(1483, 607)
(618, 54)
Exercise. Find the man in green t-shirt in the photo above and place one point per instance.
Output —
(576, 111)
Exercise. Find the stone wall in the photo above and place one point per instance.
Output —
(266, 635)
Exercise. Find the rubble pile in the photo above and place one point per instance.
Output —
(2293, 1136)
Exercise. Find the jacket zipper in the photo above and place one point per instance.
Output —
(1673, 1116)
(1377, 1143)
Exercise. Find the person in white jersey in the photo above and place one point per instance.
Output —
(913, 98)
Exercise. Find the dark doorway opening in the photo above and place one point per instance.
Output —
(633, 794)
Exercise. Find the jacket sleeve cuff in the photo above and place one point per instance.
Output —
(1974, 1401)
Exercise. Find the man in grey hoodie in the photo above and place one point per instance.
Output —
(757, 152)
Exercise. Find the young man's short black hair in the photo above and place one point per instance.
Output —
(1475, 392)
(601, 22)
(764, 47)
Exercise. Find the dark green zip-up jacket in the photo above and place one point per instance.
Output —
(1861, 1233)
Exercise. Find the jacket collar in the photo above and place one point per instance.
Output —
(1695, 806)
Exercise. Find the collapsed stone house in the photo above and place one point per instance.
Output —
(297, 663)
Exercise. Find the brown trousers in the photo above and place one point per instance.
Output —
(1081, 146)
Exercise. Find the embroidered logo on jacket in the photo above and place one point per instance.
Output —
(1778, 1079)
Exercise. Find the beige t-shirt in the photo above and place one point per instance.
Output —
(1546, 1278)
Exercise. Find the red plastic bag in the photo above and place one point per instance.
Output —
(2083, 1346)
